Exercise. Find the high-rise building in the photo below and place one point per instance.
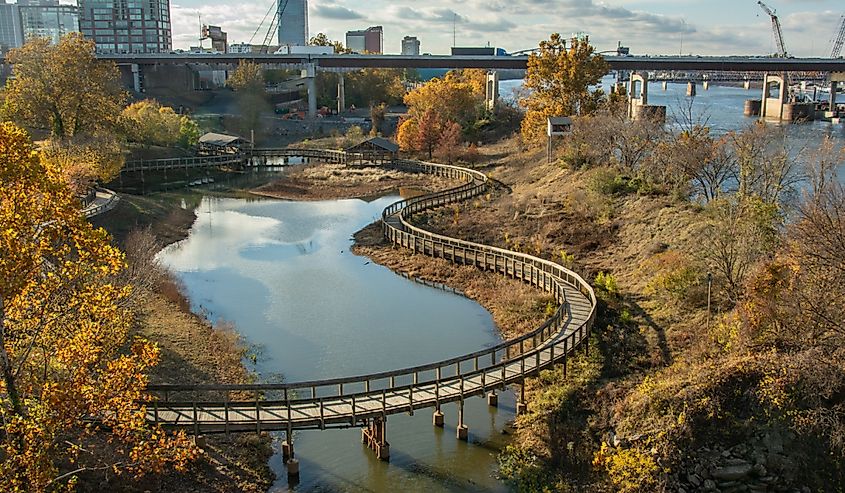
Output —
(370, 40)
(46, 18)
(127, 26)
(293, 22)
(410, 45)
(11, 31)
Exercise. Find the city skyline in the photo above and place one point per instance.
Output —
(647, 26)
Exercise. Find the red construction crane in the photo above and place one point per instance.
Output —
(839, 41)
(776, 28)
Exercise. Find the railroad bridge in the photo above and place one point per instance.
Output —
(366, 401)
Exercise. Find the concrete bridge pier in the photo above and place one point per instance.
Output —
(706, 85)
(341, 93)
(462, 430)
(747, 85)
(136, 78)
(309, 73)
(834, 86)
(665, 85)
(491, 96)
(691, 89)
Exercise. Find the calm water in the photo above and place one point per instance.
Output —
(283, 274)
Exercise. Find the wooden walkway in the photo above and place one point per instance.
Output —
(353, 401)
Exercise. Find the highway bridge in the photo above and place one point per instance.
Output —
(347, 61)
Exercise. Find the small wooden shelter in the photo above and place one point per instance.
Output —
(376, 150)
(214, 144)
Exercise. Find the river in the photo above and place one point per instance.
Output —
(282, 272)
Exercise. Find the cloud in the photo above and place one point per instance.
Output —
(336, 12)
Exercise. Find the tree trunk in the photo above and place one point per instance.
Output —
(6, 365)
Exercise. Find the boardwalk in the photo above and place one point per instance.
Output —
(369, 399)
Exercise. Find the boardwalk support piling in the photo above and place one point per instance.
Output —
(493, 399)
(521, 406)
(437, 418)
(374, 436)
(462, 430)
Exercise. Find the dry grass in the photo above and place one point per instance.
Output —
(336, 181)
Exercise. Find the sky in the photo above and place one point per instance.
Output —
(699, 27)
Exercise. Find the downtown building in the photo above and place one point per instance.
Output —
(35, 19)
(370, 40)
(293, 22)
(410, 45)
(127, 26)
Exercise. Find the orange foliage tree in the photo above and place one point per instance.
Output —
(71, 373)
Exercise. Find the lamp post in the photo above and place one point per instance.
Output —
(709, 290)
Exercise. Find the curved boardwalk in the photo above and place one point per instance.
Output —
(368, 399)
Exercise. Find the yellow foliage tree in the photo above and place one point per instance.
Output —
(149, 122)
(63, 88)
(406, 136)
(72, 375)
(450, 98)
(84, 161)
(559, 78)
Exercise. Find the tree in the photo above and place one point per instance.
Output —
(449, 98)
(766, 166)
(740, 232)
(378, 113)
(66, 355)
(63, 88)
(248, 82)
(150, 123)
(429, 128)
(559, 79)
(406, 136)
(371, 86)
(83, 161)
(449, 145)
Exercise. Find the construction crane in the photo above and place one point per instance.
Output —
(273, 26)
(776, 28)
(839, 41)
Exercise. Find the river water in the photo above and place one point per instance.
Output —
(283, 274)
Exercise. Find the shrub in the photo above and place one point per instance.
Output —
(607, 283)
(630, 470)
(607, 181)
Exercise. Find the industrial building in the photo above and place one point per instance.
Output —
(132, 26)
(410, 46)
(370, 40)
(293, 22)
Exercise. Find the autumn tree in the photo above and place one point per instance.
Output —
(63, 88)
(765, 162)
(559, 78)
(150, 123)
(84, 161)
(449, 144)
(406, 135)
(429, 129)
(450, 98)
(248, 83)
(378, 113)
(72, 375)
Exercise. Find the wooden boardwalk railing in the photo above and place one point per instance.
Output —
(351, 401)
(243, 159)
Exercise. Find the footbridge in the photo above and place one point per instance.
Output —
(366, 401)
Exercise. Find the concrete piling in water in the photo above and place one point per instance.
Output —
(493, 399)
(752, 107)
(665, 85)
(437, 418)
(462, 430)
(691, 89)
(706, 85)
(747, 85)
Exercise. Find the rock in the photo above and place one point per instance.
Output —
(732, 473)
(709, 485)
(773, 442)
(726, 453)
(694, 480)
(681, 490)
(759, 470)
(735, 462)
